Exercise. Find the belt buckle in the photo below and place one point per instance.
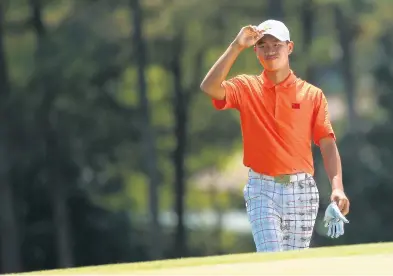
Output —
(282, 179)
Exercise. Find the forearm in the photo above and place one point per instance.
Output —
(332, 163)
(211, 84)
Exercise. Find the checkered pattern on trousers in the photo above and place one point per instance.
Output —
(282, 216)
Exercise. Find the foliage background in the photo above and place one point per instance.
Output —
(109, 152)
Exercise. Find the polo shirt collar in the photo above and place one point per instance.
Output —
(289, 81)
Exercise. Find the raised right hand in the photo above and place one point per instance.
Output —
(248, 36)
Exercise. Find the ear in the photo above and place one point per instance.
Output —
(290, 47)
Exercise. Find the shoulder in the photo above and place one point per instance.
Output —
(244, 78)
(311, 91)
(247, 82)
(308, 87)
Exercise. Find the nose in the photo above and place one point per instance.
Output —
(270, 53)
(268, 50)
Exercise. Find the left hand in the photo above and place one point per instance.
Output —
(341, 199)
(334, 220)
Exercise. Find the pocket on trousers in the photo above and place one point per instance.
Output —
(312, 185)
(252, 194)
(245, 194)
(247, 189)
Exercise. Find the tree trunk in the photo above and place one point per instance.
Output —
(346, 38)
(181, 118)
(10, 244)
(58, 192)
(308, 11)
(181, 104)
(275, 9)
(148, 135)
(61, 218)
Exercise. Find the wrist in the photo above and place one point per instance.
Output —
(236, 46)
(337, 186)
(337, 190)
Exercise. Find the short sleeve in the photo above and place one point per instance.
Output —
(322, 126)
(234, 93)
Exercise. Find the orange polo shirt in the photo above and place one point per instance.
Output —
(278, 121)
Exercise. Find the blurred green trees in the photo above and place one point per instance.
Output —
(80, 147)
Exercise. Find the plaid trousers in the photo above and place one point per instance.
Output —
(282, 216)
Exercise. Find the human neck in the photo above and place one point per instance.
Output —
(279, 75)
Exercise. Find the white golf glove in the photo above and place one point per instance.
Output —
(334, 220)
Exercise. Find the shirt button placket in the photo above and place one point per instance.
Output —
(275, 102)
(277, 105)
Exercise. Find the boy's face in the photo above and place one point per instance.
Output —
(273, 53)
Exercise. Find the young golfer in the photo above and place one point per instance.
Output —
(281, 115)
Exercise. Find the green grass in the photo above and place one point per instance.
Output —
(335, 251)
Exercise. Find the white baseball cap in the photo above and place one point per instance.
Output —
(276, 29)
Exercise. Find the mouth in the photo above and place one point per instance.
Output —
(271, 57)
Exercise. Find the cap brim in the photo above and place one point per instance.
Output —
(281, 38)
